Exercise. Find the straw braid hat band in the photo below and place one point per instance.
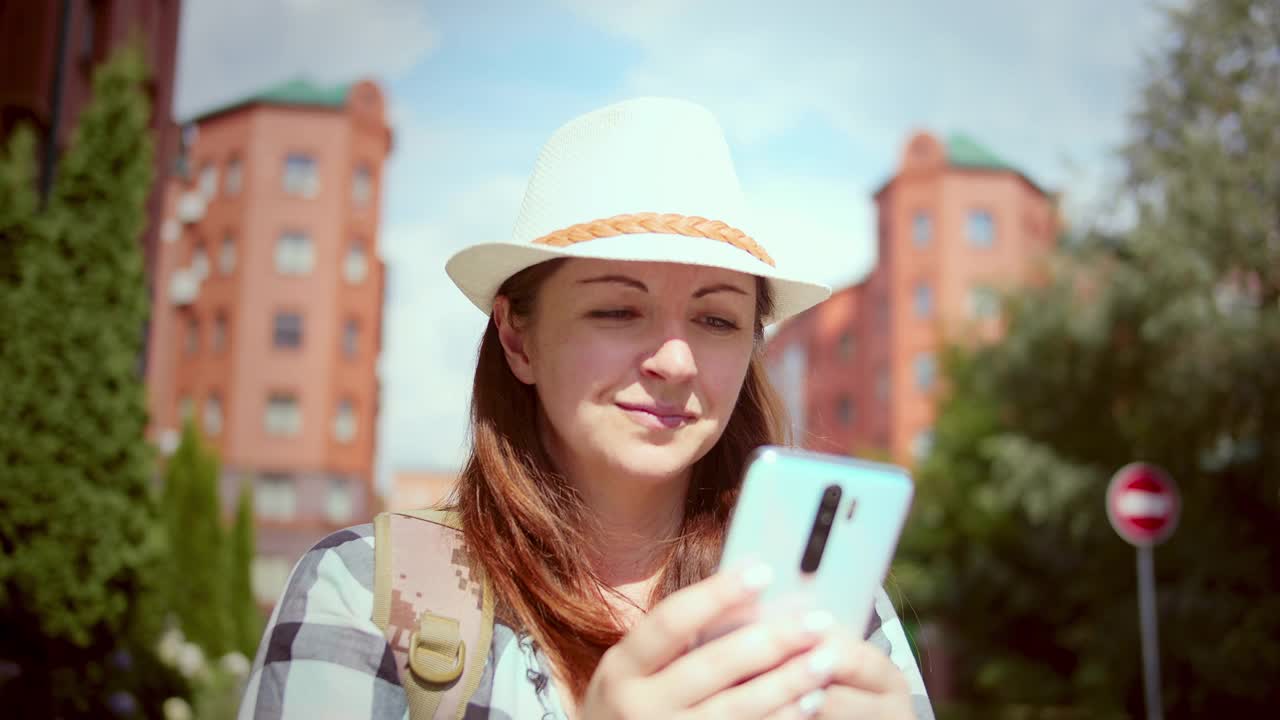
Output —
(650, 223)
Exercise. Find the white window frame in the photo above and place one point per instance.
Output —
(922, 300)
(921, 444)
(921, 219)
(213, 414)
(362, 186)
(295, 253)
(233, 181)
(355, 265)
(227, 254)
(345, 422)
(984, 303)
(301, 175)
(339, 503)
(208, 181)
(924, 370)
(283, 415)
(351, 338)
(980, 227)
(200, 260)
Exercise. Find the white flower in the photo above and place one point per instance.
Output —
(190, 660)
(236, 664)
(175, 708)
(170, 645)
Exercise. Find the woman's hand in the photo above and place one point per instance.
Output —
(770, 669)
(864, 682)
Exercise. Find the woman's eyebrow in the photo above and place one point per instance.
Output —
(620, 279)
(721, 287)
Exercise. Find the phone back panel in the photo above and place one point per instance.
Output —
(775, 514)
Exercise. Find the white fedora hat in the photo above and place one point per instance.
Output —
(643, 180)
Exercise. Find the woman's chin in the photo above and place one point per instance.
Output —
(653, 463)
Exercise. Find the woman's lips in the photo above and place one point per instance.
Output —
(657, 418)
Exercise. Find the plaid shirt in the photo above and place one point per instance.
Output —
(322, 656)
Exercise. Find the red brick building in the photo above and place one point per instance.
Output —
(267, 319)
(30, 31)
(956, 226)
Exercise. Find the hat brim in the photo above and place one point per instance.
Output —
(480, 270)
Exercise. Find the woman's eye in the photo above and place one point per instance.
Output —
(718, 323)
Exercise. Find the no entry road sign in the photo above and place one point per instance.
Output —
(1143, 504)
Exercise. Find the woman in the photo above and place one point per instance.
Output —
(619, 389)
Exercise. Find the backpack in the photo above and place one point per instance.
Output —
(434, 607)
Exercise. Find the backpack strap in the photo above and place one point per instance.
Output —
(435, 609)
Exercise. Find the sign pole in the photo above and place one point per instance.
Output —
(1143, 506)
(1150, 637)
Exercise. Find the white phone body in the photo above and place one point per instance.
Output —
(782, 493)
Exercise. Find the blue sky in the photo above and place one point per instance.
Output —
(817, 97)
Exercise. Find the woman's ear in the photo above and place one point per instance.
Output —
(513, 339)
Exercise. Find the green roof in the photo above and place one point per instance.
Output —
(964, 151)
(298, 91)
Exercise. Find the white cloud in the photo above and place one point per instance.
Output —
(432, 330)
(231, 48)
(1037, 82)
(816, 228)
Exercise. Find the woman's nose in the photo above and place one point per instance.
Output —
(672, 361)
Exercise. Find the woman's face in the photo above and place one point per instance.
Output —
(637, 365)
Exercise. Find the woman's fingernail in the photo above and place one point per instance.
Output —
(823, 662)
(810, 704)
(757, 577)
(817, 622)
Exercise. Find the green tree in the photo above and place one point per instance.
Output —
(80, 543)
(247, 618)
(1158, 343)
(199, 587)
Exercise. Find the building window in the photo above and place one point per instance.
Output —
(193, 335)
(276, 497)
(295, 254)
(227, 254)
(845, 346)
(344, 421)
(283, 415)
(300, 175)
(287, 332)
(208, 180)
(983, 302)
(356, 265)
(925, 369)
(921, 228)
(337, 504)
(219, 340)
(982, 228)
(200, 261)
(269, 577)
(922, 301)
(351, 338)
(234, 177)
(844, 410)
(186, 408)
(361, 186)
(921, 445)
(213, 414)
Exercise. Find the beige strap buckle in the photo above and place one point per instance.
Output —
(437, 653)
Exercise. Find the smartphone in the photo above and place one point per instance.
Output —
(828, 526)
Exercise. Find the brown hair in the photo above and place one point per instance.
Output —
(526, 524)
